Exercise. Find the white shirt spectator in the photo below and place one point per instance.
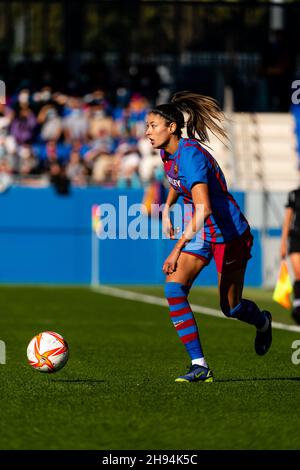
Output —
(52, 127)
(76, 125)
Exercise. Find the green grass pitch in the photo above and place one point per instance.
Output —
(117, 390)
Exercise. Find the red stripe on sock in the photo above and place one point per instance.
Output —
(182, 311)
(176, 300)
(186, 324)
(188, 338)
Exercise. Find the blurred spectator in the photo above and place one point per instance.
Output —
(76, 170)
(51, 123)
(100, 124)
(6, 116)
(60, 101)
(137, 111)
(23, 98)
(49, 154)
(127, 163)
(75, 124)
(23, 124)
(150, 160)
(28, 164)
(49, 136)
(59, 179)
(6, 179)
(104, 168)
(8, 151)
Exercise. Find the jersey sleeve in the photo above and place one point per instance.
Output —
(195, 167)
(291, 200)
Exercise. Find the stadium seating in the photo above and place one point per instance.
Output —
(262, 153)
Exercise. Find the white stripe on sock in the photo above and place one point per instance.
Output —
(200, 362)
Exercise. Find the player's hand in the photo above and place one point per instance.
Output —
(170, 264)
(283, 250)
(168, 228)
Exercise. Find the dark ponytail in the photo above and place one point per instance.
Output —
(204, 114)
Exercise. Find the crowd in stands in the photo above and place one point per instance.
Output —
(47, 137)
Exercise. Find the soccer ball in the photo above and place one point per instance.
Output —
(47, 352)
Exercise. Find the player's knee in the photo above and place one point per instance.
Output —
(173, 289)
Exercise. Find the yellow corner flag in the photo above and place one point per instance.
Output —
(283, 287)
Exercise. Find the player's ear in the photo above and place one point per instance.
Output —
(173, 127)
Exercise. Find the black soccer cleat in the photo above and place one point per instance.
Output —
(263, 339)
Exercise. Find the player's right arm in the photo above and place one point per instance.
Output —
(167, 224)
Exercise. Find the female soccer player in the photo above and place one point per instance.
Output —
(290, 244)
(221, 230)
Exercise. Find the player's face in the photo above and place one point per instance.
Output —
(158, 131)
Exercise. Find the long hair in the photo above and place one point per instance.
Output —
(204, 115)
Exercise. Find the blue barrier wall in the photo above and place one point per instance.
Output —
(46, 238)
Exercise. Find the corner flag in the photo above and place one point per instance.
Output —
(283, 287)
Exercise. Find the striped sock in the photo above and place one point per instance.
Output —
(183, 318)
(248, 312)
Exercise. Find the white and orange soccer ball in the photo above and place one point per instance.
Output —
(48, 352)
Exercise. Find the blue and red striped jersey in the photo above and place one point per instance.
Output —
(191, 164)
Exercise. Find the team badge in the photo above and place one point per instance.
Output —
(176, 169)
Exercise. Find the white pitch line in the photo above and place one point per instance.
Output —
(150, 299)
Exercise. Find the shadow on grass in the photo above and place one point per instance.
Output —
(257, 378)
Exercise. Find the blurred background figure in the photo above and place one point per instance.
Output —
(6, 178)
(50, 122)
(150, 161)
(76, 170)
(75, 123)
(103, 165)
(23, 124)
(6, 116)
(59, 179)
(127, 162)
(101, 125)
(290, 245)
